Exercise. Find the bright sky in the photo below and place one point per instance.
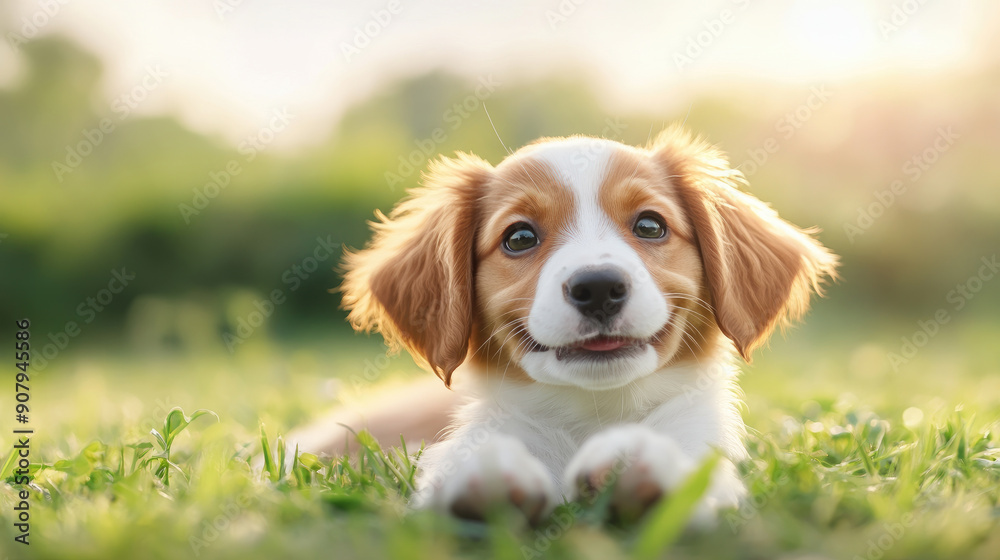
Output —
(230, 63)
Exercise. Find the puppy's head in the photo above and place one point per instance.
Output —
(583, 262)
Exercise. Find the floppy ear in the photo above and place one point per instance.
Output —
(760, 270)
(414, 281)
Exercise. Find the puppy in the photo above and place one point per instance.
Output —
(593, 296)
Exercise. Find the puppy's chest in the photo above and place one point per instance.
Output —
(555, 439)
(554, 445)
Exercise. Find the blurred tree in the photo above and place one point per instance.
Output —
(51, 104)
(122, 205)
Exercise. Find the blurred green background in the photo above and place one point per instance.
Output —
(217, 156)
(79, 203)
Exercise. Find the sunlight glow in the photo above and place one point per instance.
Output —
(837, 36)
(238, 68)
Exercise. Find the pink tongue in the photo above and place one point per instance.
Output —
(603, 344)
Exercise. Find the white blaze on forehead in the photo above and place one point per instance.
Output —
(592, 239)
(581, 165)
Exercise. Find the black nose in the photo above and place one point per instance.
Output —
(598, 293)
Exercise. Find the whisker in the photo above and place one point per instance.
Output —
(621, 416)
(693, 312)
(597, 410)
(690, 297)
(509, 152)
(513, 354)
(687, 335)
(518, 330)
(490, 337)
(688, 114)
(500, 327)
(506, 149)
(509, 334)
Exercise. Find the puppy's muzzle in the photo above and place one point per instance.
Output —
(598, 293)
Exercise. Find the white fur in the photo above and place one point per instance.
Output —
(490, 468)
(691, 409)
(592, 240)
(582, 415)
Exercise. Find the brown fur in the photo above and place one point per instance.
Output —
(635, 184)
(435, 280)
(760, 269)
(414, 282)
(522, 190)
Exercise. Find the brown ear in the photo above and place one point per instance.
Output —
(414, 281)
(760, 270)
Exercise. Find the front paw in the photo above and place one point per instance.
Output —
(469, 481)
(639, 465)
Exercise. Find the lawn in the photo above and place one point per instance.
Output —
(850, 459)
(873, 426)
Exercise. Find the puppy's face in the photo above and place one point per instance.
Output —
(587, 271)
(581, 262)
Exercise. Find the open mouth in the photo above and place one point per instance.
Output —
(597, 348)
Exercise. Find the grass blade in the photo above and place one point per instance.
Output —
(8, 465)
(269, 466)
(670, 516)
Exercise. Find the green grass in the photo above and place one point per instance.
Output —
(918, 477)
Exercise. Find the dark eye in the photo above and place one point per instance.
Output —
(649, 227)
(520, 237)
